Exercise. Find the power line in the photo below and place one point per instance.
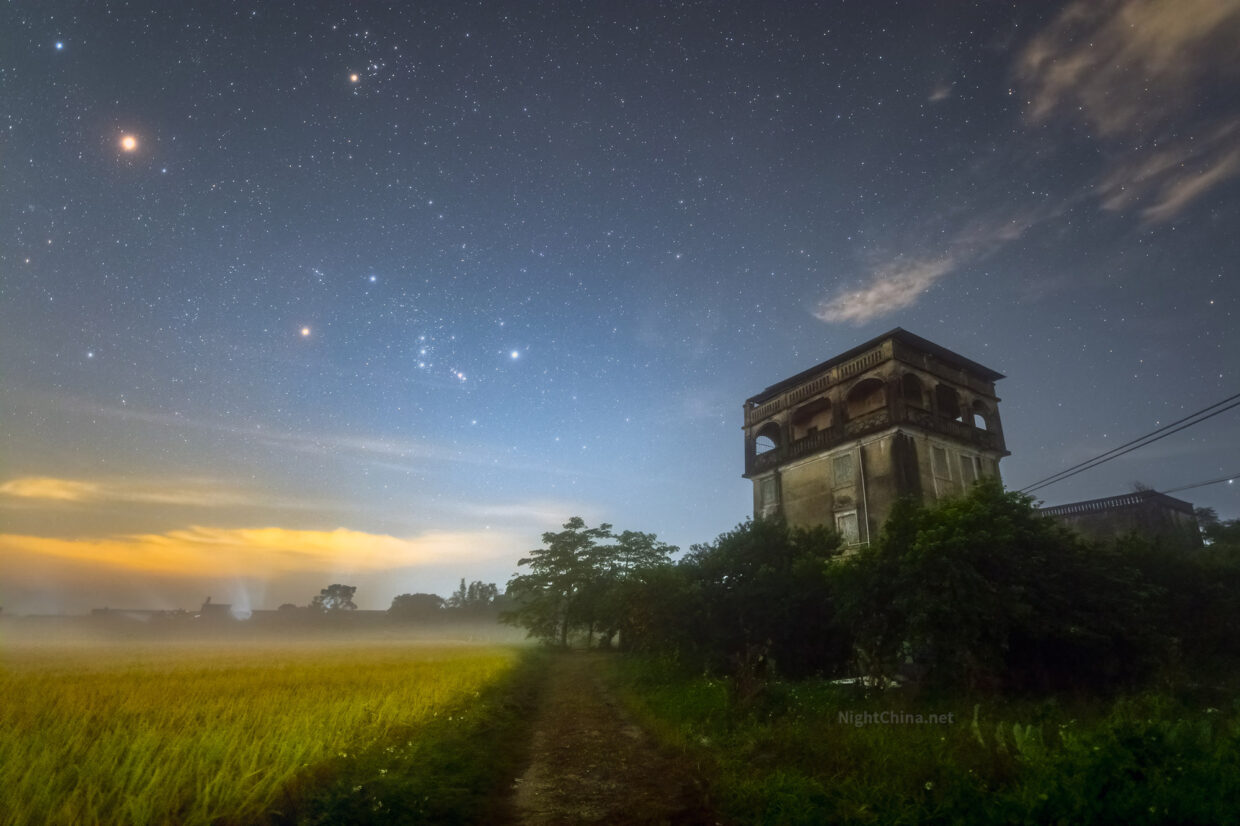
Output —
(1116, 453)
(1141, 441)
(1202, 484)
(1055, 476)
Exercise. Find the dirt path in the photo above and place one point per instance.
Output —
(588, 764)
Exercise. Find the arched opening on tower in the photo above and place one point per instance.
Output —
(866, 396)
(912, 391)
(766, 439)
(811, 418)
(981, 416)
(947, 402)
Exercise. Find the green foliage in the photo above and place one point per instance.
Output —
(791, 759)
(476, 597)
(547, 598)
(982, 592)
(580, 580)
(335, 598)
(1223, 532)
(416, 606)
(760, 593)
(1198, 597)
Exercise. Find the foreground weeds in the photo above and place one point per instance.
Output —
(790, 757)
(212, 732)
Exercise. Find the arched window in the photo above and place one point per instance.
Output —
(866, 396)
(911, 390)
(767, 438)
(981, 416)
(810, 418)
(947, 402)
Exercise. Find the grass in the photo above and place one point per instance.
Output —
(790, 758)
(169, 732)
(456, 768)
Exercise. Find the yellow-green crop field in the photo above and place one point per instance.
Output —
(193, 732)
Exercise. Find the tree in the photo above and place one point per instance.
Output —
(476, 597)
(335, 598)
(416, 606)
(984, 592)
(616, 566)
(548, 599)
(763, 597)
(1222, 532)
(575, 582)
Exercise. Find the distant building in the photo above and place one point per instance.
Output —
(897, 416)
(1144, 512)
(215, 611)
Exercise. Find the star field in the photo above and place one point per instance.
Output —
(453, 273)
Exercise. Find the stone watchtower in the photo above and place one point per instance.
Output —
(896, 416)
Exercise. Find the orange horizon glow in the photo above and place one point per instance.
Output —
(263, 553)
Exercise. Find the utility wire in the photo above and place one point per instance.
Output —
(1104, 458)
(1202, 484)
(1134, 441)
(1141, 441)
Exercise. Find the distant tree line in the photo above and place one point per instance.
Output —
(474, 601)
(977, 593)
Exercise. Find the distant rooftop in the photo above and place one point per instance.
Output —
(898, 334)
(1126, 500)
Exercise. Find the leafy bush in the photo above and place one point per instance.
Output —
(761, 596)
(982, 592)
(792, 759)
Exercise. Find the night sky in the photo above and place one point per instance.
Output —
(291, 296)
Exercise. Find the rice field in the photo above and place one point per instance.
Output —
(200, 731)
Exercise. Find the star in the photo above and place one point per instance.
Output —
(515, 354)
(129, 143)
(305, 332)
(60, 46)
(354, 78)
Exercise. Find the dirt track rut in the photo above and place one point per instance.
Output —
(589, 764)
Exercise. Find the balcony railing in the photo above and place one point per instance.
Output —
(821, 382)
(871, 423)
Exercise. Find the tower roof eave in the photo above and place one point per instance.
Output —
(898, 334)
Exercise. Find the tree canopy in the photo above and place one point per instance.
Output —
(335, 598)
(575, 580)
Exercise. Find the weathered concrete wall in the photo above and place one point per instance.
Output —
(917, 423)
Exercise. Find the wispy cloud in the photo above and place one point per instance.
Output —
(206, 493)
(404, 454)
(49, 488)
(892, 286)
(897, 282)
(1123, 64)
(1139, 73)
(1167, 180)
(1153, 81)
(254, 552)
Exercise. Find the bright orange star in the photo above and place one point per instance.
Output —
(353, 78)
(305, 331)
(129, 143)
